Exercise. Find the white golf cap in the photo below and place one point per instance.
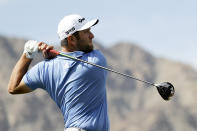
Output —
(72, 23)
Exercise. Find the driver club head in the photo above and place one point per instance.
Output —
(166, 90)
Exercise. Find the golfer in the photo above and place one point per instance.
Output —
(77, 88)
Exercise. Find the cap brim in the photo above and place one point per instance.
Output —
(89, 24)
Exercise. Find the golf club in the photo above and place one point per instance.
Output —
(165, 89)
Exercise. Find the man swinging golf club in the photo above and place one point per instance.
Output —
(77, 88)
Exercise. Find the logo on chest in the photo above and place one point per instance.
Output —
(66, 66)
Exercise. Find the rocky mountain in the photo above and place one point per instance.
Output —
(133, 106)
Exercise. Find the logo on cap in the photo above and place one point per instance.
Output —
(71, 30)
(81, 20)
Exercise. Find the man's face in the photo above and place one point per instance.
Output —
(84, 43)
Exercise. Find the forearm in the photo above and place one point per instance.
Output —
(18, 72)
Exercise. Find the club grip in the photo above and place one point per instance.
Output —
(54, 51)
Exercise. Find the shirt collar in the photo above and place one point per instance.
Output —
(75, 54)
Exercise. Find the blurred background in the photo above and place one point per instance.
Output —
(153, 40)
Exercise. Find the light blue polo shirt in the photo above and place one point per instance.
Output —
(77, 88)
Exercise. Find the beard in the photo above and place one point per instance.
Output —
(83, 46)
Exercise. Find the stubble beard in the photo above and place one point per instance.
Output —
(85, 47)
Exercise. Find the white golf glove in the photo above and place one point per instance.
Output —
(31, 49)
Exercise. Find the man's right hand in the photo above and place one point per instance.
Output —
(44, 48)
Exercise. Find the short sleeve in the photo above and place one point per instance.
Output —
(33, 78)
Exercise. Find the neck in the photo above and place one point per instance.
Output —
(65, 49)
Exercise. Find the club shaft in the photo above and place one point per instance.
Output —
(102, 67)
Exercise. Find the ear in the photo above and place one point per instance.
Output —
(72, 43)
(71, 39)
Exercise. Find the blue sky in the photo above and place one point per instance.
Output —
(166, 28)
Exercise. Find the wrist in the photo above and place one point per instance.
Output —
(25, 58)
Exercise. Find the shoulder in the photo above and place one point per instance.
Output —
(96, 53)
(42, 65)
(97, 57)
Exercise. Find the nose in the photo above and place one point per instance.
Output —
(91, 36)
